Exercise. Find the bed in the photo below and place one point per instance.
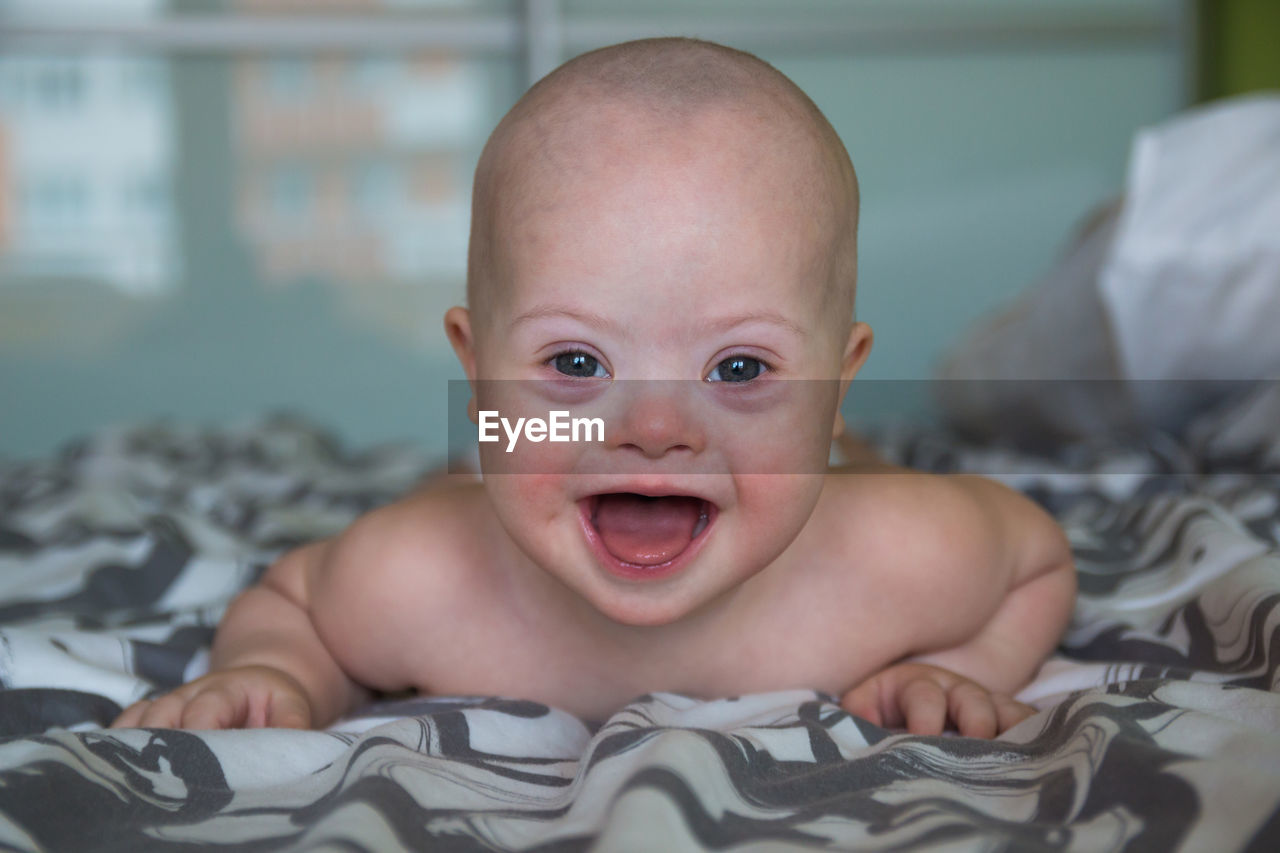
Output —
(1158, 723)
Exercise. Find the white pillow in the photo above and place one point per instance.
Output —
(1192, 284)
(1177, 285)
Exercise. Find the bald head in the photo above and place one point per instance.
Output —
(585, 112)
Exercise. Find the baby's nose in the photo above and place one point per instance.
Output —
(659, 419)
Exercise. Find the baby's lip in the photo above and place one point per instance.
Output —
(591, 502)
(652, 556)
(651, 489)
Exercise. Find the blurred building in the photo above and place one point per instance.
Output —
(86, 166)
(300, 188)
(354, 169)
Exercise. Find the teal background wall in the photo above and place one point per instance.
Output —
(976, 158)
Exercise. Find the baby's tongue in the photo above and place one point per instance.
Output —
(643, 530)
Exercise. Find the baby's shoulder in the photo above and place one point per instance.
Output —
(424, 534)
(921, 525)
(394, 580)
(420, 552)
(910, 553)
(886, 494)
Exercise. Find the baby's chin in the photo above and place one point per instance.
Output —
(653, 608)
(704, 582)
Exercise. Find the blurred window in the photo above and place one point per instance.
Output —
(142, 79)
(379, 191)
(57, 85)
(146, 198)
(289, 79)
(373, 73)
(53, 200)
(292, 194)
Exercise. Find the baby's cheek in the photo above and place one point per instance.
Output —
(772, 509)
(539, 493)
(529, 493)
(791, 435)
(537, 513)
(529, 458)
(774, 493)
(793, 452)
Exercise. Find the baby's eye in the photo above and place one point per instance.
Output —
(579, 365)
(737, 368)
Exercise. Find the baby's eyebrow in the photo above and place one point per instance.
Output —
(587, 318)
(773, 318)
(719, 325)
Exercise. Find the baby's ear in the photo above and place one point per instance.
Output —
(457, 325)
(856, 350)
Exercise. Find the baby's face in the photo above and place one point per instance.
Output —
(672, 285)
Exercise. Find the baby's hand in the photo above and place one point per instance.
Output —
(924, 698)
(243, 697)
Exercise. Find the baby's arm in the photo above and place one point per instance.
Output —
(1006, 653)
(1020, 550)
(269, 666)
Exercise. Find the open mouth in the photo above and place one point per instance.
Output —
(647, 532)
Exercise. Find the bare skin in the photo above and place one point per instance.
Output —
(657, 239)
(812, 619)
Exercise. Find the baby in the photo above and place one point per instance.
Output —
(665, 209)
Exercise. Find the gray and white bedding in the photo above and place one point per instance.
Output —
(1158, 728)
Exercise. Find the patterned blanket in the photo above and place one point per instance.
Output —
(1159, 722)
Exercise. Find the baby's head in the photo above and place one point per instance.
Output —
(669, 128)
(666, 209)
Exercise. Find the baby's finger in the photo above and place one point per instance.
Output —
(1010, 711)
(163, 713)
(863, 701)
(130, 716)
(289, 712)
(972, 710)
(213, 708)
(924, 704)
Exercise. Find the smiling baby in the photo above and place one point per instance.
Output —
(663, 235)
